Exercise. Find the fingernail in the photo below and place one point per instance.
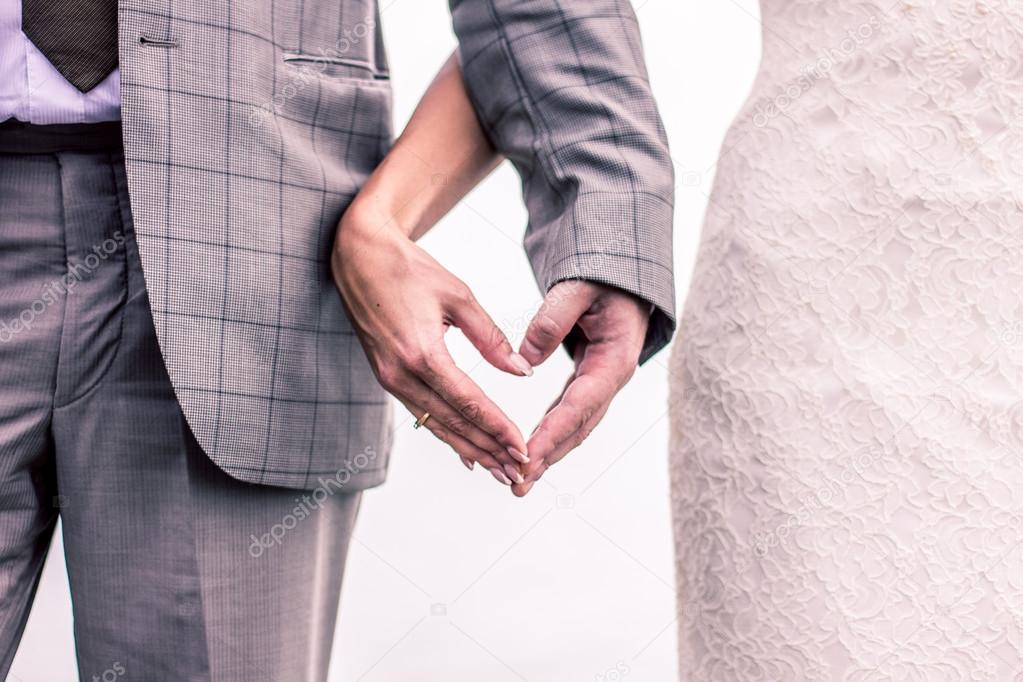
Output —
(514, 474)
(469, 464)
(500, 476)
(521, 364)
(518, 456)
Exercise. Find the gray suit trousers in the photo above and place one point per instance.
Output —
(177, 570)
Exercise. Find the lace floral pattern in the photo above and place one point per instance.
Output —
(847, 401)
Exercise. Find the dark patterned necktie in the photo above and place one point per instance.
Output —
(79, 37)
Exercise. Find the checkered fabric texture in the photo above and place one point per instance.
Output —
(250, 126)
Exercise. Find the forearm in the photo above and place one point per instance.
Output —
(441, 155)
(401, 301)
(562, 90)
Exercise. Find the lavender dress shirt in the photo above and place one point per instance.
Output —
(31, 90)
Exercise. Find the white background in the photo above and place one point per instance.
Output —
(450, 577)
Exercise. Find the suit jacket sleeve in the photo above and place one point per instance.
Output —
(561, 88)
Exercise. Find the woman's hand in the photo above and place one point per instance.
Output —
(401, 302)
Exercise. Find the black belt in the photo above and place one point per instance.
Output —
(17, 137)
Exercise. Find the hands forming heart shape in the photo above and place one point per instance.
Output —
(401, 301)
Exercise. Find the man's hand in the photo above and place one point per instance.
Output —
(612, 325)
(401, 302)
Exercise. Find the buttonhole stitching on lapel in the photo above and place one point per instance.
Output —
(158, 42)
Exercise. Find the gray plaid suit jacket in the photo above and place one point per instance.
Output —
(249, 126)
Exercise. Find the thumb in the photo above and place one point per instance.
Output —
(564, 304)
(483, 333)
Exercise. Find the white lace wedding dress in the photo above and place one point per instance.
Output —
(847, 402)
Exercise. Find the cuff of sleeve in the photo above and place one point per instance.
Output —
(627, 245)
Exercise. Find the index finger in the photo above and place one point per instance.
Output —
(463, 394)
(601, 373)
(565, 427)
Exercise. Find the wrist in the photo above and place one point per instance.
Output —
(366, 244)
(397, 197)
(368, 220)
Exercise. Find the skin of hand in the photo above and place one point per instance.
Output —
(611, 326)
(401, 301)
